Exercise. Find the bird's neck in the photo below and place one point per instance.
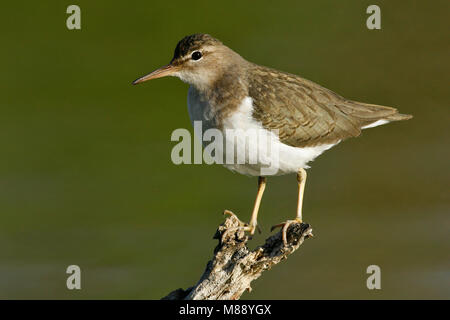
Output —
(225, 94)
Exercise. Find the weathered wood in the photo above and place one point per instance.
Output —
(232, 269)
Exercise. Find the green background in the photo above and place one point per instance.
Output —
(85, 170)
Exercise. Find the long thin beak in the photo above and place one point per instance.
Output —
(158, 73)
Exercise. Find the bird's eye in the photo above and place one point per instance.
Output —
(196, 55)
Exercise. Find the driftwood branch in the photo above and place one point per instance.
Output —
(234, 266)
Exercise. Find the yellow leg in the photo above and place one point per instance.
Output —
(259, 194)
(251, 227)
(301, 181)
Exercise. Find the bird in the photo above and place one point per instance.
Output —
(301, 118)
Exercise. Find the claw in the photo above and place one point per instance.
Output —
(242, 225)
(285, 226)
(229, 213)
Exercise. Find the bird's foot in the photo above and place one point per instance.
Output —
(250, 228)
(285, 226)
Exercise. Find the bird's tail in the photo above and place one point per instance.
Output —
(399, 117)
(371, 115)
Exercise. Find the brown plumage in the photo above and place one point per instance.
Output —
(307, 114)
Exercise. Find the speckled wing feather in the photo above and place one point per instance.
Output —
(306, 114)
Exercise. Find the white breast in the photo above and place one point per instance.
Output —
(274, 157)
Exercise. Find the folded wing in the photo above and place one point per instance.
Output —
(306, 114)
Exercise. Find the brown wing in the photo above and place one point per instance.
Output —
(306, 114)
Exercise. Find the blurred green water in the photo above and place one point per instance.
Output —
(85, 170)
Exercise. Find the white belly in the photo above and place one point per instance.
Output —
(273, 157)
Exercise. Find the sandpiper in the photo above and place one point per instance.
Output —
(303, 118)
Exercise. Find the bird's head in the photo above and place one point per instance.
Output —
(199, 60)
